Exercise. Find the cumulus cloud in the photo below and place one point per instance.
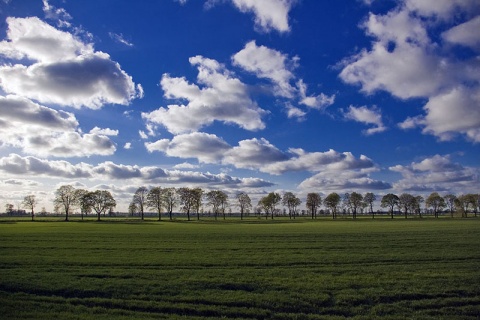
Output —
(367, 116)
(18, 165)
(437, 173)
(269, 14)
(105, 132)
(268, 64)
(65, 71)
(343, 181)
(253, 154)
(277, 67)
(207, 148)
(222, 98)
(43, 131)
(406, 62)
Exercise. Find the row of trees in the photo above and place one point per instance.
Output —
(191, 200)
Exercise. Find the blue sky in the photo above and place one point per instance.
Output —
(239, 95)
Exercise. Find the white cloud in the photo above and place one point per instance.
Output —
(105, 132)
(295, 113)
(343, 181)
(127, 146)
(39, 130)
(222, 98)
(277, 67)
(268, 64)
(407, 63)
(59, 14)
(186, 165)
(318, 161)
(18, 165)
(207, 148)
(59, 58)
(118, 37)
(269, 14)
(465, 34)
(253, 154)
(368, 116)
(437, 173)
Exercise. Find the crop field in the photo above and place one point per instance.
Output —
(251, 269)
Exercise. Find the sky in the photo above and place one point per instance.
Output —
(239, 95)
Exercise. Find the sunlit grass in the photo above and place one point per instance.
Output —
(241, 269)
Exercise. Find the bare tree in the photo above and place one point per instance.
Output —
(187, 200)
(369, 199)
(217, 199)
(353, 201)
(407, 202)
(269, 203)
(170, 199)
(101, 201)
(29, 202)
(332, 201)
(140, 199)
(83, 201)
(66, 198)
(291, 202)
(313, 202)
(389, 200)
(244, 203)
(450, 202)
(155, 200)
(436, 202)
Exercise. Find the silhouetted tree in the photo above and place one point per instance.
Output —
(216, 199)
(269, 203)
(369, 199)
(155, 200)
(390, 201)
(101, 201)
(188, 199)
(407, 202)
(332, 201)
(313, 202)
(197, 201)
(66, 198)
(170, 199)
(291, 202)
(29, 202)
(450, 202)
(353, 201)
(140, 200)
(83, 201)
(436, 202)
(244, 203)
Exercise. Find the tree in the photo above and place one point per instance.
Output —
(9, 208)
(436, 202)
(369, 199)
(353, 201)
(101, 201)
(389, 201)
(450, 202)
(188, 200)
(170, 200)
(217, 199)
(473, 202)
(197, 194)
(462, 203)
(155, 200)
(332, 201)
(140, 199)
(418, 202)
(29, 202)
(244, 203)
(65, 197)
(407, 202)
(313, 202)
(83, 201)
(269, 203)
(291, 202)
(132, 208)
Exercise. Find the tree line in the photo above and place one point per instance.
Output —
(191, 201)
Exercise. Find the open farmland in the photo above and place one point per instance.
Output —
(254, 269)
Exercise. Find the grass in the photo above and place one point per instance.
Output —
(255, 269)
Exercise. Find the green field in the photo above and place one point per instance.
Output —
(255, 269)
